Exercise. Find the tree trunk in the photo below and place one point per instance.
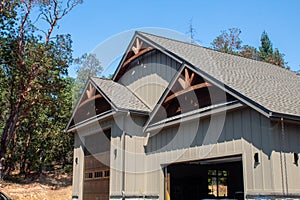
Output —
(9, 130)
(23, 160)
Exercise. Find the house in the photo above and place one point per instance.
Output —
(179, 121)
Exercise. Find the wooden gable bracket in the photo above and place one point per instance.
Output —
(188, 79)
(92, 101)
(186, 90)
(97, 96)
(187, 85)
(138, 51)
(90, 91)
(90, 94)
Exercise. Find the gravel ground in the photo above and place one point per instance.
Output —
(47, 187)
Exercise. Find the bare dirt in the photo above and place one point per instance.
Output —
(46, 187)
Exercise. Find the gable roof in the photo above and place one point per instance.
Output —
(268, 88)
(115, 94)
(198, 100)
(120, 96)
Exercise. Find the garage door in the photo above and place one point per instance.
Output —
(210, 179)
(96, 166)
(96, 180)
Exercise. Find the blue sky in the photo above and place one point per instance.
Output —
(93, 22)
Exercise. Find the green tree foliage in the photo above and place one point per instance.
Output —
(266, 52)
(89, 66)
(44, 142)
(249, 52)
(33, 83)
(228, 41)
(266, 48)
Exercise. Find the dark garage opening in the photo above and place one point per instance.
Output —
(210, 179)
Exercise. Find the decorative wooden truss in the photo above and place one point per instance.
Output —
(138, 49)
(92, 103)
(190, 92)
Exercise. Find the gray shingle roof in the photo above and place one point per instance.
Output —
(274, 88)
(119, 95)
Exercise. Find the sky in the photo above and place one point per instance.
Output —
(95, 21)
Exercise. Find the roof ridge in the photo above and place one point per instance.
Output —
(207, 48)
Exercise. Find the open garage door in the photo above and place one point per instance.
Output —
(209, 179)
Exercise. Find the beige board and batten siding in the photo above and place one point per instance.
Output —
(286, 139)
(245, 132)
(116, 158)
(149, 76)
(78, 167)
(132, 160)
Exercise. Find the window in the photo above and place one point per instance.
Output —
(88, 175)
(106, 173)
(218, 183)
(98, 174)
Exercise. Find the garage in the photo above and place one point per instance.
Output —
(96, 166)
(208, 179)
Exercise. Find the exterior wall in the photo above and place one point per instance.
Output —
(136, 174)
(245, 133)
(116, 157)
(128, 158)
(286, 142)
(78, 167)
(149, 76)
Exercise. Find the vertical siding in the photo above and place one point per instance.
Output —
(116, 157)
(135, 166)
(78, 167)
(237, 131)
(149, 76)
(245, 132)
(293, 168)
(289, 144)
(246, 146)
(256, 148)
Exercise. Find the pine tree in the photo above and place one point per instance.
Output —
(267, 54)
(266, 49)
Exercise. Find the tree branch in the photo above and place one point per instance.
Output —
(22, 30)
(53, 18)
(2, 6)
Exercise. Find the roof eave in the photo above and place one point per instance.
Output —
(196, 116)
(277, 116)
(101, 116)
(138, 112)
